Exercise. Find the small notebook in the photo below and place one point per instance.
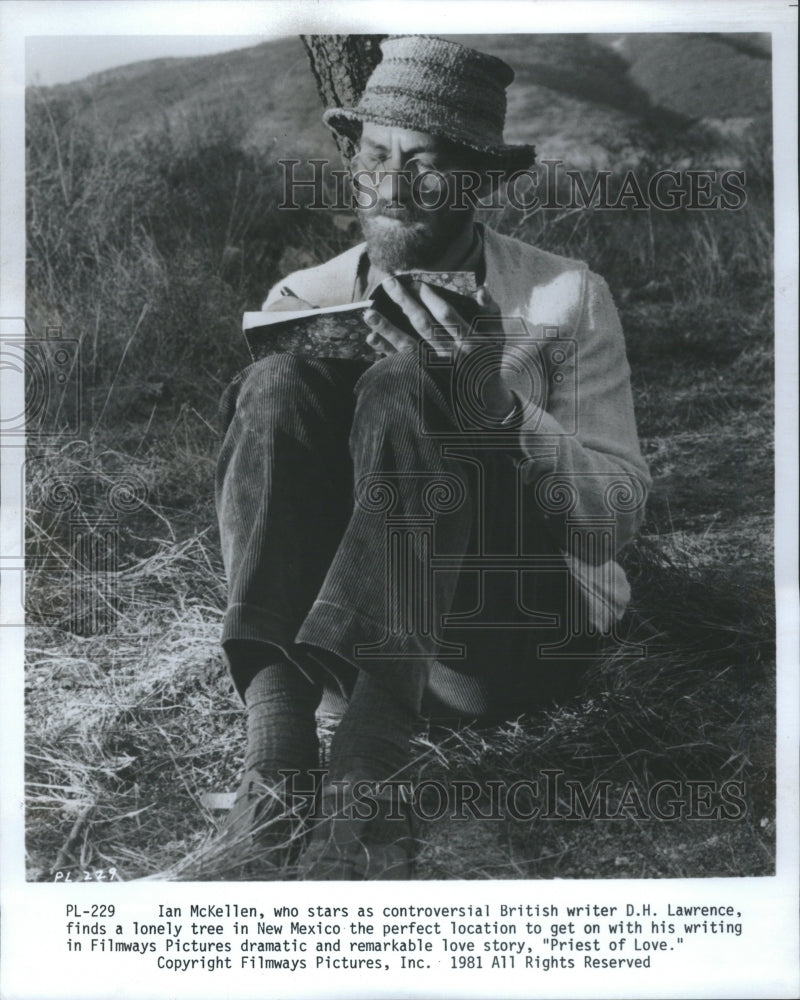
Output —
(340, 331)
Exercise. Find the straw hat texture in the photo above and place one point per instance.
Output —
(430, 84)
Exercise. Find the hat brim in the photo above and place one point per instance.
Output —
(348, 122)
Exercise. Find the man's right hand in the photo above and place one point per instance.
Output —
(288, 303)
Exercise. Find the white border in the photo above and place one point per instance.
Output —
(769, 966)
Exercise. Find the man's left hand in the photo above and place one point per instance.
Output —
(438, 323)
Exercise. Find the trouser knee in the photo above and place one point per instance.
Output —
(269, 388)
(401, 390)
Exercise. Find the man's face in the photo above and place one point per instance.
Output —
(407, 213)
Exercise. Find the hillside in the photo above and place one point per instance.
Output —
(589, 99)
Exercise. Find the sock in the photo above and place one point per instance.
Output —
(373, 740)
(281, 727)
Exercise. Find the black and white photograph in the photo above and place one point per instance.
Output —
(389, 481)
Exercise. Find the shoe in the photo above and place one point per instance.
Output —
(344, 847)
(259, 840)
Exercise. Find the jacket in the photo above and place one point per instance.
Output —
(578, 434)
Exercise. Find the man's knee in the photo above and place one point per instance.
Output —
(277, 378)
(272, 386)
(400, 385)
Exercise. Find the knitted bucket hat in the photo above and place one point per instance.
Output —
(429, 84)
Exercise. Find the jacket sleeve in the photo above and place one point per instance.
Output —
(580, 439)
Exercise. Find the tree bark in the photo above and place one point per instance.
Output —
(341, 65)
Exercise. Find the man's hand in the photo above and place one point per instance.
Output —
(289, 303)
(440, 324)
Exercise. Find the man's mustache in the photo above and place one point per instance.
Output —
(407, 210)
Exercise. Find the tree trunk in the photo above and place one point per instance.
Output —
(341, 65)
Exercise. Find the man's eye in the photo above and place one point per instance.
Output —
(366, 161)
(423, 167)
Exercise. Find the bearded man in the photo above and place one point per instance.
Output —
(508, 523)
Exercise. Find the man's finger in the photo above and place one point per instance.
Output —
(288, 303)
(384, 336)
(487, 304)
(418, 315)
(444, 314)
(388, 333)
(378, 344)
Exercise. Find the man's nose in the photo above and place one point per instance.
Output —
(395, 182)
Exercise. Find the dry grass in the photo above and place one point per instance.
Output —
(129, 731)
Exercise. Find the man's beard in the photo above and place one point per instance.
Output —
(418, 240)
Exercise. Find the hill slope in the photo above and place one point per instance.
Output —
(590, 99)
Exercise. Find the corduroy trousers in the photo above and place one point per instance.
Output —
(346, 509)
